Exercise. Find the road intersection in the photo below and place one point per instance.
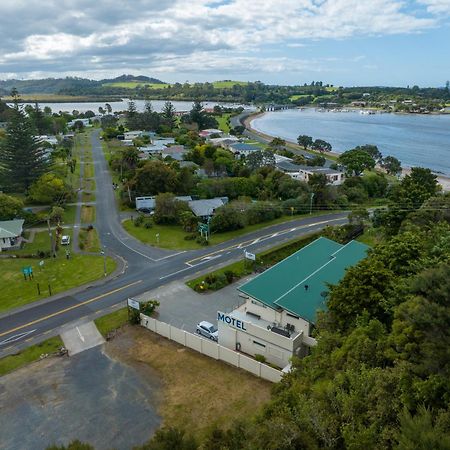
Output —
(146, 267)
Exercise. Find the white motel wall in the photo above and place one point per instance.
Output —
(211, 349)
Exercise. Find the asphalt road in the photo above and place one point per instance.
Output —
(146, 267)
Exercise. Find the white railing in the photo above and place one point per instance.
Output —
(212, 349)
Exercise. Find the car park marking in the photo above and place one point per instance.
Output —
(16, 337)
(70, 308)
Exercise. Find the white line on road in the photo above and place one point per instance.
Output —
(79, 334)
(16, 337)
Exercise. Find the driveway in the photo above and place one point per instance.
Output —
(90, 396)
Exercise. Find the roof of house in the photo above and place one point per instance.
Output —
(11, 228)
(288, 166)
(243, 147)
(298, 283)
(202, 208)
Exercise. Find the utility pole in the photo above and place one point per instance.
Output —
(104, 261)
(52, 242)
(311, 202)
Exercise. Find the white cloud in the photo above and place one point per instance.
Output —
(437, 6)
(148, 34)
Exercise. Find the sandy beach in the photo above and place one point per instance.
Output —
(441, 179)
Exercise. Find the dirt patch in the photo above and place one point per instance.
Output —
(198, 391)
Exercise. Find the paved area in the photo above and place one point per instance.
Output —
(81, 337)
(90, 396)
(184, 308)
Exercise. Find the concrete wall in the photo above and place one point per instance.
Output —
(212, 349)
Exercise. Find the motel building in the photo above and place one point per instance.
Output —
(281, 304)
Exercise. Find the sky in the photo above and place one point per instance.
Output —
(342, 42)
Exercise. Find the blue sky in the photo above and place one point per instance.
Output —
(343, 42)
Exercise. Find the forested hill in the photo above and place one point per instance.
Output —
(71, 85)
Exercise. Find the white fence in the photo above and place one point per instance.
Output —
(212, 349)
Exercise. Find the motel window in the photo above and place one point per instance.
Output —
(292, 315)
(259, 343)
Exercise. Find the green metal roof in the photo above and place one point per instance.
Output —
(321, 262)
(11, 228)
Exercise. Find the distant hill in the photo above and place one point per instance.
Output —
(132, 78)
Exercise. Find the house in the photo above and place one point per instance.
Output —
(130, 135)
(207, 134)
(281, 304)
(10, 232)
(157, 146)
(205, 208)
(147, 204)
(242, 149)
(176, 152)
(72, 123)
(302, 173)
(224, 141)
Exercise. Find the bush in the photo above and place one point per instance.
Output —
(220, 282)
(260, 358)
(138, 221)
(148, 224)
(190, 237)
(202, 240)
(229, 274)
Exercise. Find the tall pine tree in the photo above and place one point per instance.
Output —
(22, 158)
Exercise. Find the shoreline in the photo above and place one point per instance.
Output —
(443, 180)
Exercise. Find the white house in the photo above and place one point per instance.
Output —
(281, 304)
(10, 232)
(85, 122)
(302, 173)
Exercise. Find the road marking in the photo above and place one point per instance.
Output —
(16, 337)
(70, 308)
(79, 334)
(257, 240)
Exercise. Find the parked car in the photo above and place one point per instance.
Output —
(208, 330)
(65, 240)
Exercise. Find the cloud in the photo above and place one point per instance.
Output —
(437, 6)
(109, 35)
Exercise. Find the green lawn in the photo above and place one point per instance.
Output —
(88, 170)
(41, 242)
(69, 214)
(297, 96)
(172, 236)
(223, 122)
(228, 84)
(60, 273)
(30, 354)
(112, 321)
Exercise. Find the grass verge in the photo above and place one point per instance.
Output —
(87, 214)
(88, 240)
(112, 321)
(220, 278)
(29, 355)
(88, 170)
(60, 273)
(87, 197)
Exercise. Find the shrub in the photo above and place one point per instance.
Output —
(138, 221)
(148, 224)
(229, 274)
(220, 282)
(260, 358)
(190, 237)
(202, 240)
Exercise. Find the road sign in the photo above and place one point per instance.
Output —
(27, 270)
(133, 304)
(250, 256)
(41, 263)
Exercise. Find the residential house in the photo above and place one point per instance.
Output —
(207, 134)
(85, 122)
(10, 232)
(205, 208)
(302, 173)
(242, 149)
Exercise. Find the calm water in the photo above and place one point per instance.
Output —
(123, 105)
(416, 140)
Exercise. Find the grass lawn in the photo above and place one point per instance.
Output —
(223, 122)
(60, 273)
(89, 241)
(172, 236)
(28, 355)
(371, 237)
(69, 214)
(228, 84)
(87, 197)
(88, 170)
(112, 321)
(87, 214)
(227, 393)
(88, 185)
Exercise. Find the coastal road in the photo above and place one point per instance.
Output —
(146, 267)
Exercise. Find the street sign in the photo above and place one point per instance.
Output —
(41, 263)
(133, 304)
(27, 270)
(250, 256)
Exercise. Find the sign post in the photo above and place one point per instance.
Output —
(134, 304)
(250, 256)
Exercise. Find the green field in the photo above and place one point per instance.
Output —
(135, 84)
(297, 96)
(30, 354)
(61, 274)
(223, 122)
(41, 242)
(228, 84)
